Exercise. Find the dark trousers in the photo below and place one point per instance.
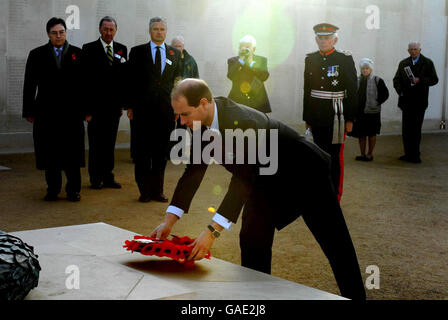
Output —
(412, 122)
(323, 137)
(54, 180)
(150, 173)
(322, 215)
(102, 132)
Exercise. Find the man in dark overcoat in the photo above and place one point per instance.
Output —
(412, 80)
(51, 102)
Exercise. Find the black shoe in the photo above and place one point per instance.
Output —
(112, 185)
(51, 197)
(369, 158)
(144, 198)
(96, 186)
(74, 197)
(415, 160)
(361, 158)
(160, 197)
(411, 160)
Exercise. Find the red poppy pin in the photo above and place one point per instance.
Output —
(171, 53)
(74, 56)
(120, 52)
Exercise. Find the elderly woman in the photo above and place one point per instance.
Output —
(372, 93)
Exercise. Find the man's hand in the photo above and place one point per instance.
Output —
(308, 127)
(201, 246)
(203, 243)
(164, 229)
(416, 80)
(88, 118)
(130, 114)
(348, 126)
(29, 119)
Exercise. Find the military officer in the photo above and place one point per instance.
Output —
(330, 99)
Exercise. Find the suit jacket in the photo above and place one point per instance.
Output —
(104, 85)
(415, 97)
(254, 95)
(299, 161)
(334, 73)
(150, 92)
(51, 96)
(150, 99)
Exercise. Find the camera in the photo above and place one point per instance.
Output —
(245, 52)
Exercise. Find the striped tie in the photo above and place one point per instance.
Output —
(110, 56)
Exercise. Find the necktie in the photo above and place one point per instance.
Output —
(110, 56)
(158, 61)
(59, 54)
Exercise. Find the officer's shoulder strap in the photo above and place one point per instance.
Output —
(345, 52)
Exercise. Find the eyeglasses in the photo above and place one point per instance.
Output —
(56, 33)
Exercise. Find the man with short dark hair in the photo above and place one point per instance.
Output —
(50, 91)
(103, 63)
(153, 69)
(264, 193)
(412, 80)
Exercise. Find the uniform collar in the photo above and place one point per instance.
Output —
(327, 53)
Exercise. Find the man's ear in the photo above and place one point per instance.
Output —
(335, 41)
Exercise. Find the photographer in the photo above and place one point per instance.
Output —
(247, 72)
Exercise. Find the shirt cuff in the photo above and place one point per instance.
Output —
(175, 210)
(223, 222)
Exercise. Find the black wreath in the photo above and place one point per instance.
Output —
(19, 268)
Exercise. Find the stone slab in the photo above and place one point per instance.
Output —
(94, 254)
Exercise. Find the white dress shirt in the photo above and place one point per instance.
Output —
(105, 46)
(219, 219)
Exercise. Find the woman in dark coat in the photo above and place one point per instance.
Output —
(372, 93)
(51, 103)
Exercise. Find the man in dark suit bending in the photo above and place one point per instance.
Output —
(103, 64)
(153, 68)
(271, 198)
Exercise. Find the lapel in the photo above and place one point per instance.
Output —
(168, 57)
(102, 53)
(55, 62)
(149, 56)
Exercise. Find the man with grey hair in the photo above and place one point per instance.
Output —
(412, 80)
(103, 62)
(248, 72)
(189, 66)
(153, 69)
(330, 100)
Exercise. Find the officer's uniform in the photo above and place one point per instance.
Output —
(330, 97)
